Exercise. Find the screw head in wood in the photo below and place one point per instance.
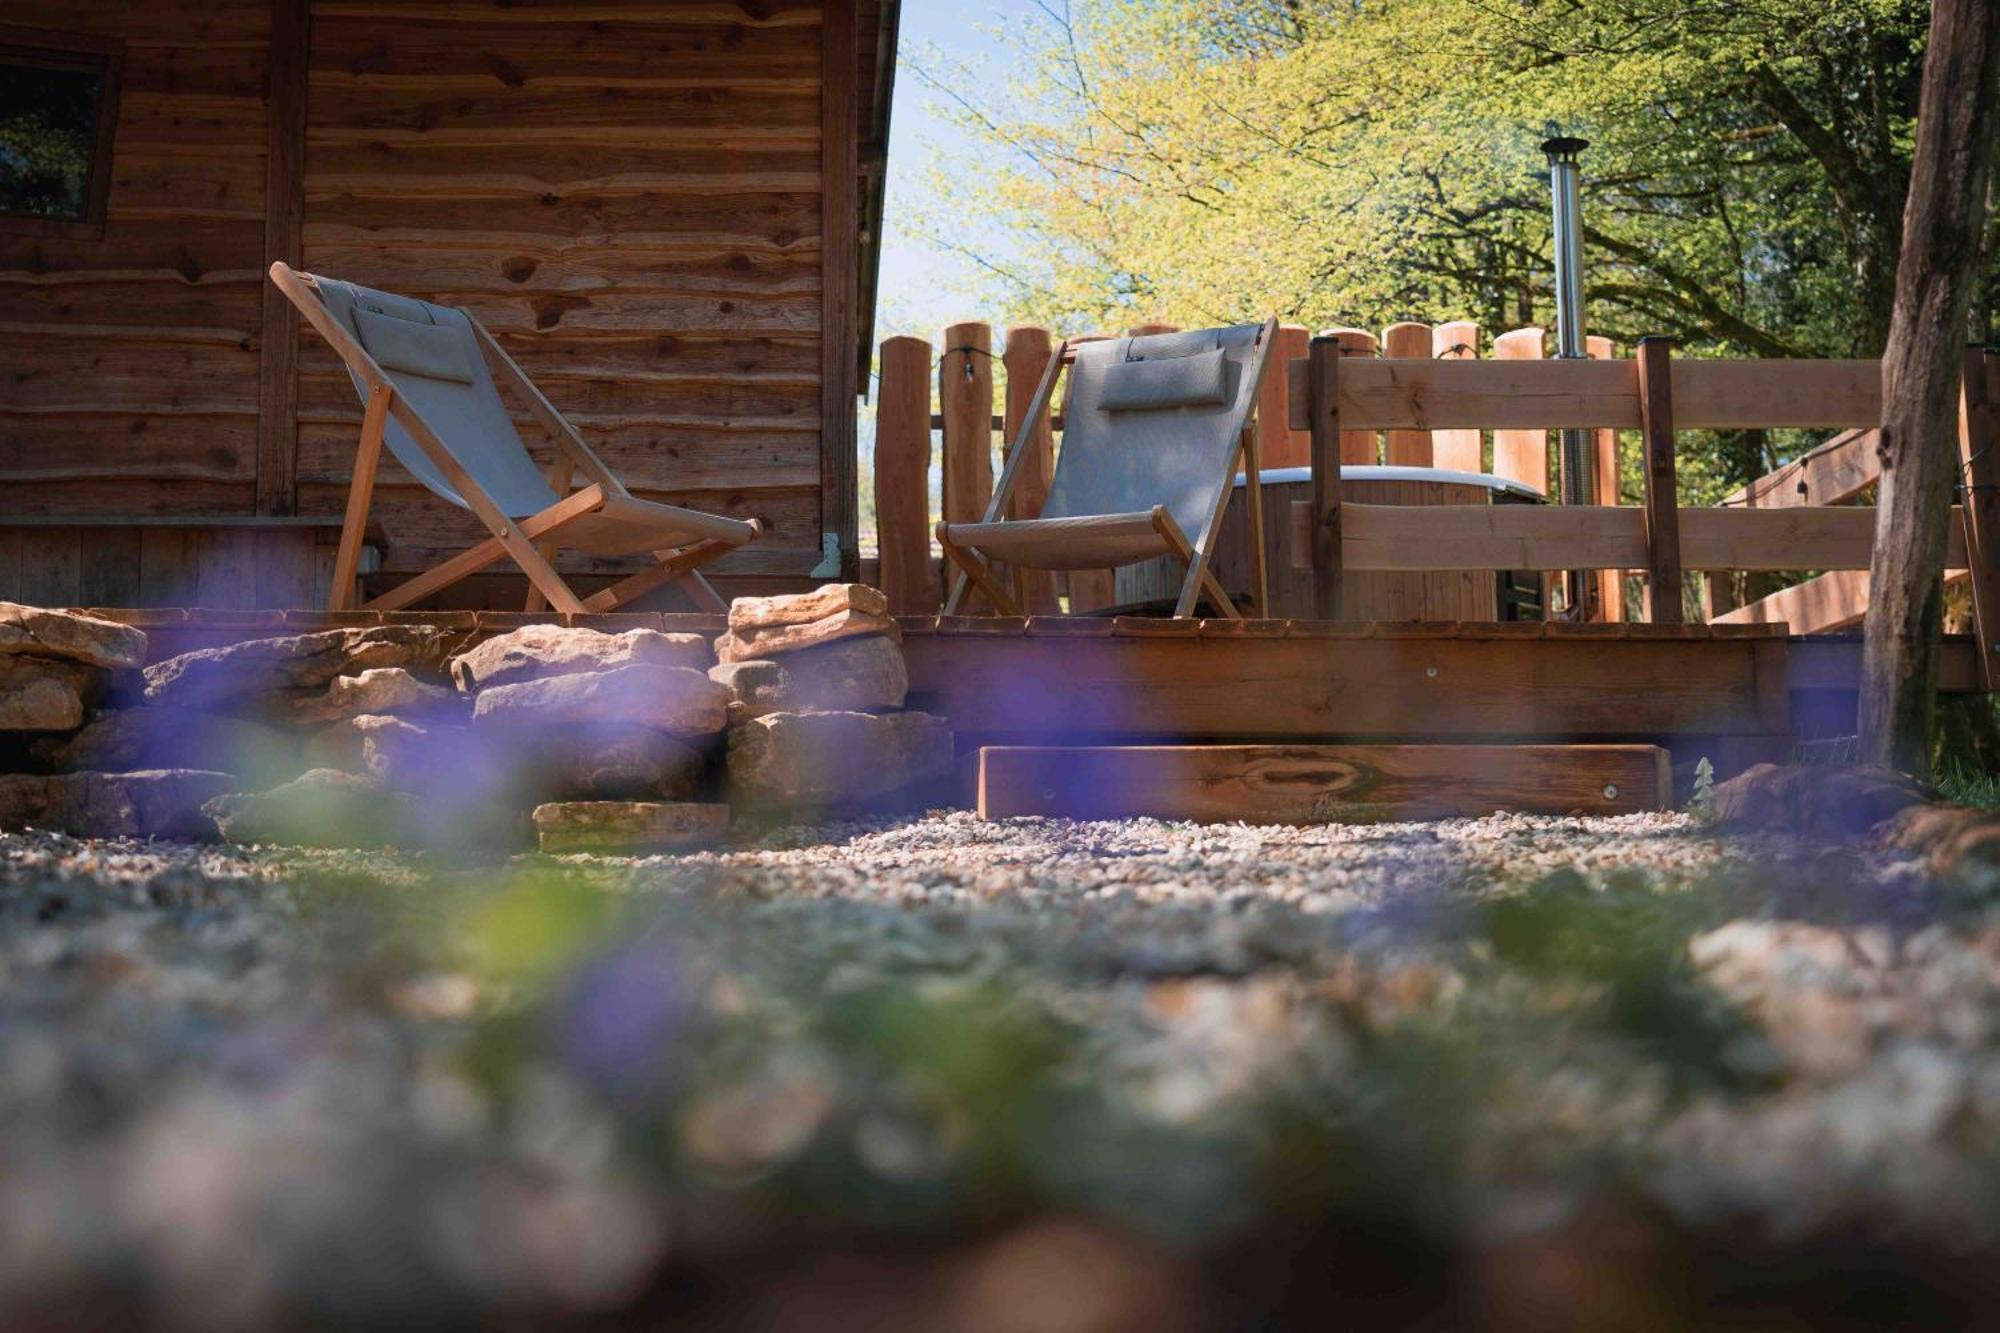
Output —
(1610, 791)
(1431, 671)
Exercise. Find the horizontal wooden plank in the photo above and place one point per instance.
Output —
(1833, 662)
(553, 357)
(622, 311)
(1836, 600)
(1831, 474)
(1310, 784)
(768, 219)
(194, 445)
(471, 272)
(191, 251)
(723, 110)
(97, 374)
(1440, 537)
(169, 25)
(228, 68)
(541, 14)
(1831, 601)
(1391, 393)
(159, 182)
(611, 404)
(659, 134)
(421, 169)
(235, 306)
(1195, 687)
(661, 48)
(1742, 395)
(116, 495)
(647, 458)
(169, 117)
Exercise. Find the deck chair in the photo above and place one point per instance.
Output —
(425, 374)
(1154, 432)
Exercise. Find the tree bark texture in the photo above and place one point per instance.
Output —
(1921, 366)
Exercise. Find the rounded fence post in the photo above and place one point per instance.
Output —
(1521, 455)
(1610, 582)
(965, 401)
(902, 477)
(1412, 341)
(1460, 448)
(1028, 349)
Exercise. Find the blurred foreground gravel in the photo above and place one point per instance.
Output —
(1035, 1075)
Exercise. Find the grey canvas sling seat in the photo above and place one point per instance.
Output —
(1155, 429)
(426, 376)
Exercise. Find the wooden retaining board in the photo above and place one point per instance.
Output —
(1049, 681)
(1310, 784)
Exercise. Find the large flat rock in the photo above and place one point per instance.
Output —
(803, 608)
(835, 759)
(864, 675)
(383, 691)
(40, 632)
(1835, 800)
(743, 645)
(154, 803)
(677, 700)
(45, 694)
(127, 739)
(628, 826)
(248, 676)
(321, 808)
(536, 651)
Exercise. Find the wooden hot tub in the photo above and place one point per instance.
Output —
(1456, 595)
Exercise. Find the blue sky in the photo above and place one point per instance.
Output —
(923, 287)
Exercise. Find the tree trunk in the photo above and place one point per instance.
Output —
(1920, 375)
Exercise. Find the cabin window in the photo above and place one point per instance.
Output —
(58, 109)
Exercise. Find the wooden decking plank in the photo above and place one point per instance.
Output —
(1292, 784)
(1141, 686)
(983, 626)
(1070, 627)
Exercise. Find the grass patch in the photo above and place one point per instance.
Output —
(1966, 786)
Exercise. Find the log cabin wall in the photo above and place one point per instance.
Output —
(627, 192)
(130, 361)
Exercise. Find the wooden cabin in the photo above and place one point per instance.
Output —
(665, 210)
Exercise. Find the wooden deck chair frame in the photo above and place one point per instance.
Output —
(1028, 541)
(530, 542)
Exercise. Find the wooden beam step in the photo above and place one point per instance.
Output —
(1311, 784)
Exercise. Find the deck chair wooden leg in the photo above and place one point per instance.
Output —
(674, 566)
(974, 567)
(441, 575)
(543, 575)
(561, 473)
(1198, 579)
(360, 494)
(1253, 495)
(703, 593)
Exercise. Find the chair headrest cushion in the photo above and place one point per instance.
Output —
(433, 351)
(1199, 380)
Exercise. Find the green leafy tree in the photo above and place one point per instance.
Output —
(1363, 161)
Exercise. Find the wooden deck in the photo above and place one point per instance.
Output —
(1734, 689)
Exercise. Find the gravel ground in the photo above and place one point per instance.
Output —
(939, 1069)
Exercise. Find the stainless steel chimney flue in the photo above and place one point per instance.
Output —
(1578, 470)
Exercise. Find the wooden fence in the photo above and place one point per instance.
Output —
(968, 424)
(1431, 403)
